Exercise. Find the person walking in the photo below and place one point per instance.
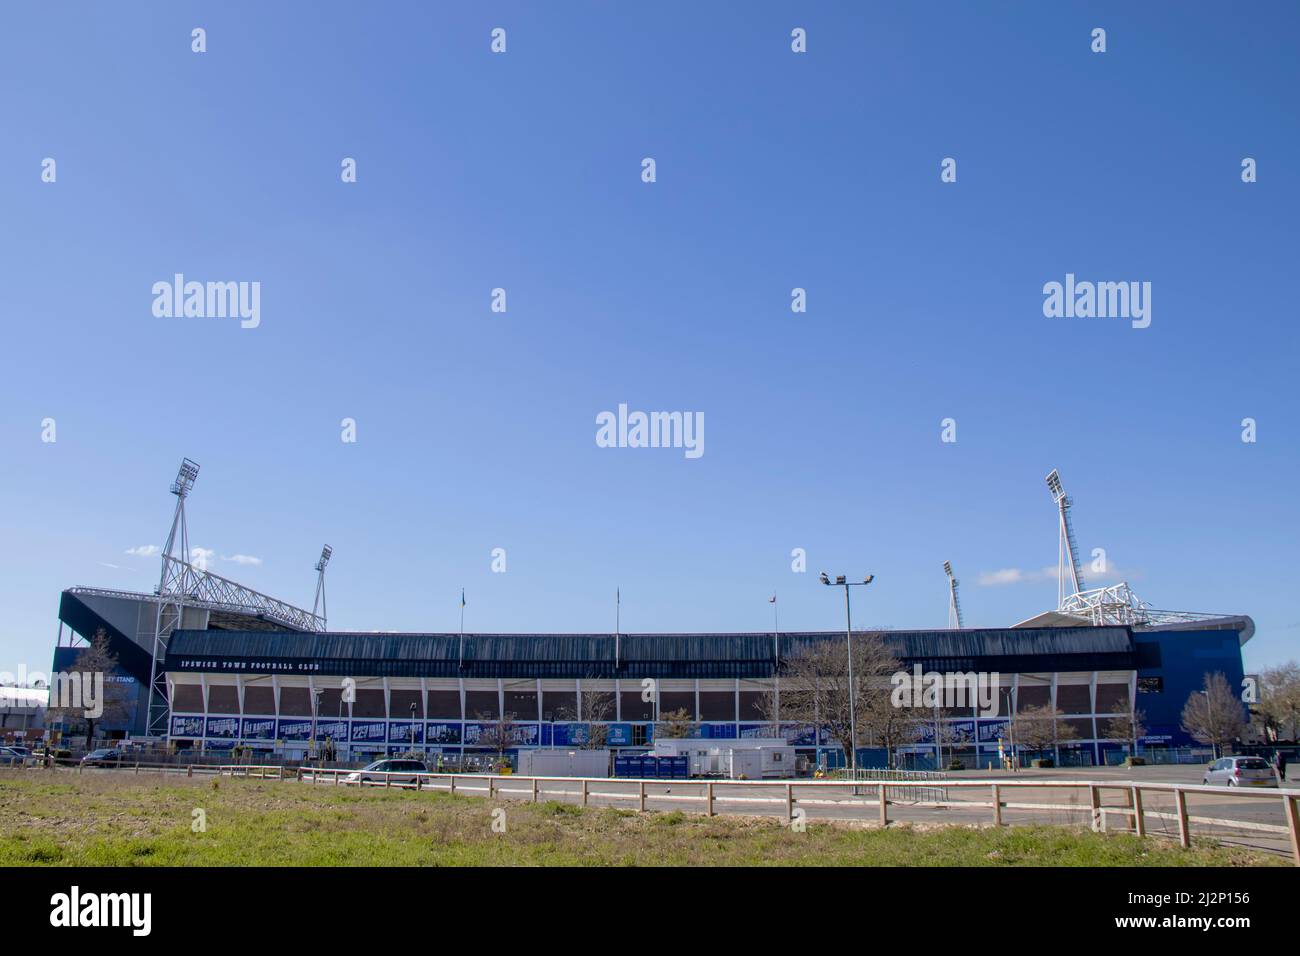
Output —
(1280, 759)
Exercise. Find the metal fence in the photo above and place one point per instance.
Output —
(914, 794)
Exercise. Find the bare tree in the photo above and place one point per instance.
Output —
(1214, 715)
(99, 660)
(1279, 700)
(674, 725)
(1128, 727)
(595, 707)
(815, 686)
(499, 735)
(1041, 728)
(949, 736)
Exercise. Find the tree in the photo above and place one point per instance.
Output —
(93, 671)
(499, 735)
(1128, 727)
(1041, 729)
(1214, 715)
(948, 736)
(1279, 700)
(674, 725)
(815, 686)
(595, 707)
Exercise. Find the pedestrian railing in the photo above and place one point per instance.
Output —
(913, 794)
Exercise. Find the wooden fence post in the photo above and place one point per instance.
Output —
(1184, 825)
(1292, 804)
(641, 795)
(1139, 824)
(997, 805)
(1094, 803)
(884, 807)
(708, 798)
(789, 803)
(534, 789)
(584, 791)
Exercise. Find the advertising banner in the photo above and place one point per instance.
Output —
(187, 726)
(405, 732)
(368, 731)
(225, 727)
(294, 729)
(442, 733)
(259, 728)
(619, 735)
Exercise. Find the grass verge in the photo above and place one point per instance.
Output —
(119, 820)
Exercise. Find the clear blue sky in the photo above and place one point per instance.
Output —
(477, 430)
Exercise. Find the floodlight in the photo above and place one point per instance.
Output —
(947, 568)
(824, 578)
(840, 579)
(1054, 485)
(868, 579)
(325, 553)
(185, 477)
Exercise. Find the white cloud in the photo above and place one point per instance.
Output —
(992, 579)
(242, 559)
(145, 551)
(201, 557)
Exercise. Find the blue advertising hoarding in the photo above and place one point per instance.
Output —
(619, 735)
(442, 733)
(368, 731)
(258, 728)
(405, 732)
(991, 730)
(224, 727)
(294, 729)
(187, 726)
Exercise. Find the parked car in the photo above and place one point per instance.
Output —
(388, 770)
(10, 757)
(1240, 772)
(54, 753)
(104, 757)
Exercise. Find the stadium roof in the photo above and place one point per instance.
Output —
(726, 655)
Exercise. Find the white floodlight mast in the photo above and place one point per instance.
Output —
(171, 599)
(1067, 545)
(319, 604)
(954, 603)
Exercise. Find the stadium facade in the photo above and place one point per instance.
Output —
(236, 677)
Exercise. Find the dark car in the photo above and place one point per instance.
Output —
(104, 757)
(11, 757)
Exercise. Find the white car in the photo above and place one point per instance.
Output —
(396, 772)
(1240, 772)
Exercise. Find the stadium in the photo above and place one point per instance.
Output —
(212, 665)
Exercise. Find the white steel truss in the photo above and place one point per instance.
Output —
(1118, 604)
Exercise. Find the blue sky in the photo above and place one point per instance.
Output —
(774, 171)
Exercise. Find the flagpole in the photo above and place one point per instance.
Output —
(461, 662)
(618, 607)
(776, 629)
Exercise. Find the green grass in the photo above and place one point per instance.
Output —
(119, 820)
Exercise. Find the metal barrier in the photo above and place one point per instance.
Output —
(903, 794)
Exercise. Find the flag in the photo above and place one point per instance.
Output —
(462, 597)
(772, 599)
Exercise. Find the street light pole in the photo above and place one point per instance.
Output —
(848, 639)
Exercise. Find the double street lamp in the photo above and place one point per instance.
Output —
(843, 581)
